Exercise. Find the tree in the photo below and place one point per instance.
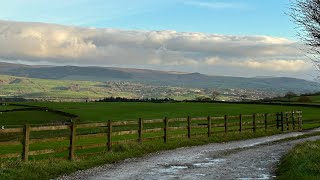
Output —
(214, 95)
(306, 14)
(290, 95)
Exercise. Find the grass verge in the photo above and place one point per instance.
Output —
(50, 168)
(302, 162)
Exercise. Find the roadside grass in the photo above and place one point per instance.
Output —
(51, 167)
(302, 162)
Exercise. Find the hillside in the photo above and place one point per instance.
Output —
(73, 90)
(158, 78)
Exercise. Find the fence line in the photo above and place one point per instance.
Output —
(202, 125)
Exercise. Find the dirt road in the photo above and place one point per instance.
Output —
(247, 159)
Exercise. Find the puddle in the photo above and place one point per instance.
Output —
(171, 169)
(174, 168)
(209, 163)
(264, 176)
(178, 167)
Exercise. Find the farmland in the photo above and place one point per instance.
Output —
(95, 112)
(131, 112)
(82, 90)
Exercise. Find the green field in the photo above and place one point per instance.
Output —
(314, 99)
(31, 117)
(4, 107)
(101, 112)
(94, 112)
(301, 99)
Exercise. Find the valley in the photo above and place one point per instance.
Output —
(72, 83)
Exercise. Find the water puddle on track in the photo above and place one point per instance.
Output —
(263, 176)
(176, 168)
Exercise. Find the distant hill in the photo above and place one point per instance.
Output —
(159, 78)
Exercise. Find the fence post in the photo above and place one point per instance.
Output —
(278, 120)
(109, 142)
(165, 129)
(287, 120)
(240, 122)
(189, 126)
(293, 119)
(72, 140)
(281, 119)
(140, 129)
(26, 138)
(209, 126)
(300, 120)
(254, 122)
(266, 121)
(226, 123)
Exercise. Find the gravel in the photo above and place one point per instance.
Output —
(246, 159)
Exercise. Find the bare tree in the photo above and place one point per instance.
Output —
(214, 95)
(290, 95)
(306, 14)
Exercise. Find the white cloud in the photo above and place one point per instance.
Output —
(216, 5)
(56, 44)
(275, 65)
(212, 61)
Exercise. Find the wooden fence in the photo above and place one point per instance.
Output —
(143, 130)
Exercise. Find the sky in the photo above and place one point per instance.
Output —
(216, 37)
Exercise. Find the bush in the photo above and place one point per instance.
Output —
(304, 99)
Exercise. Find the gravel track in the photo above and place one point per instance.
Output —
(245, 159)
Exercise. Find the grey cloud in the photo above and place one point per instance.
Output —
(56, 44)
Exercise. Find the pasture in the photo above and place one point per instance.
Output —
(93, 140)
(97, 112)
(314, 99)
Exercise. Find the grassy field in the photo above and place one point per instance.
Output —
(96, 112)
(31, 117)
(4, 107)
(93, 112)
(313, 99)
(302, 162)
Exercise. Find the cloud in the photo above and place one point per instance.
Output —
(213, 61)
(275, 65)
(55, 44)
(216, 5)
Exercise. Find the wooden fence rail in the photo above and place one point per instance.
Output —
(147, 130)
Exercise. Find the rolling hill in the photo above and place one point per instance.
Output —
(158, 78)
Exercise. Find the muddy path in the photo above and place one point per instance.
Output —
(246, 159)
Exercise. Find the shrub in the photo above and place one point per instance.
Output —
(304, 99)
